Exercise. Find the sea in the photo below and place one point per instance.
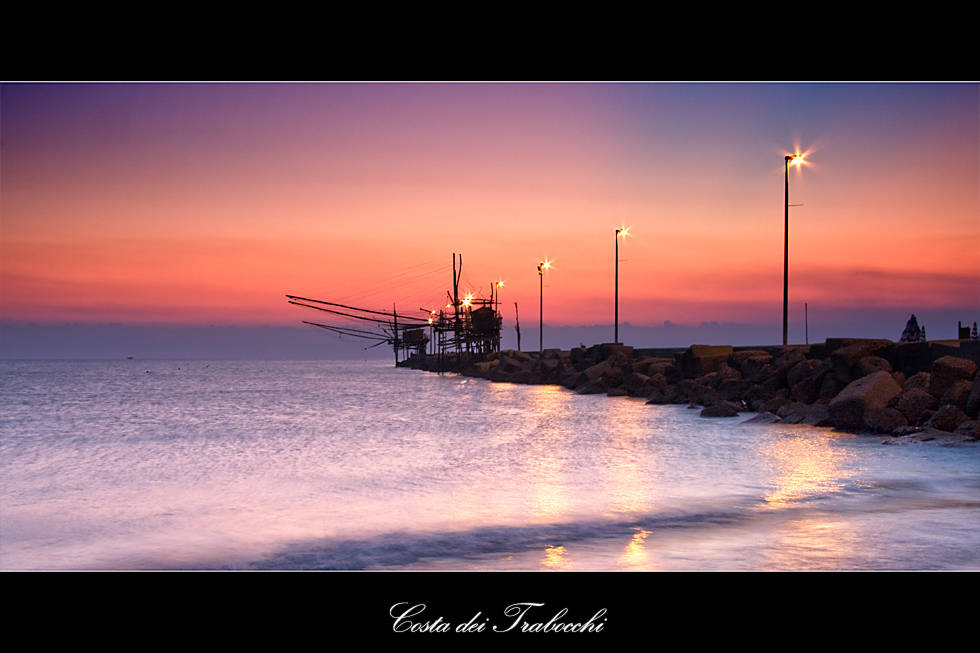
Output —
(359, 465)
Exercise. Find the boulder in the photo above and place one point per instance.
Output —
(635, 381)
(919, 381)
(948, 369)
(973, 400)
(658, 382)
(762, 418)
(509, 364)
(722, 409)
(969, 428)
(870, 365)
(914, 403)
(699, 360)
(947, 419)
(884, 420)
(818, 415)
(845, 358)
(735, 359)
(957, 394)
(791, 408)
(752, 367)
(802, 371)
(871, 392)
(577, 354)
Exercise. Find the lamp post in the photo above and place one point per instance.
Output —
(499, 320)
(619, 232)
(789, 160)
(542, 266)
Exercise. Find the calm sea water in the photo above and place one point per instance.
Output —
(359, 465)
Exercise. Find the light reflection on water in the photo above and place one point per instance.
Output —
(129, 464)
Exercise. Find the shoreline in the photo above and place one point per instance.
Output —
(913, 391)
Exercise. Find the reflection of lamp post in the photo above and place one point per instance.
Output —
(544, 265)
(619, 232)
(797, 159)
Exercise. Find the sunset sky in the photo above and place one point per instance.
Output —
(195, 204)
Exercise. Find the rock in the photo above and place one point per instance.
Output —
(947, 419)
(774, 404)
(597, 371)
(677, 393)
(818, 415)
(791, 408)
(948, 369)
(613, 377)
(658, 382)
(830, 387)
(970, 427)
(762, 418)
(905, 430)
(924, 419)
(957, 394)
(870, 365)
(635, 381)
(846, 357)
(919, 381)
(941, 438)
(699, 360)
(795, 418)
(596, 387)
(884, 420)
(973, 401)
(722, 409)
(787, 361)
(657, 398)
(802, 371)
(806, 391)
(752, 368)
(735, 359)
(509, 364)
(913, 403)
(868, 393)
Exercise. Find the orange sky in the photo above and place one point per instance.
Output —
(205, 203)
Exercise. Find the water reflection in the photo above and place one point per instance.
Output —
(555, 558)
(545, 462)
(805, 467)
(624, 458)
(635, 555)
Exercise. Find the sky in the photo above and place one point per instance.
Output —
(200, 204)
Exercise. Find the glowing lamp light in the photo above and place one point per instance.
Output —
(799, 161)
(619, 232)
(542, 266)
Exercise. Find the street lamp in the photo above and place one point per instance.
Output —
(790, 160)
(542, 266)
(499, 320)
(619, 232)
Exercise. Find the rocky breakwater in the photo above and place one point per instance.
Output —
(855, 385)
